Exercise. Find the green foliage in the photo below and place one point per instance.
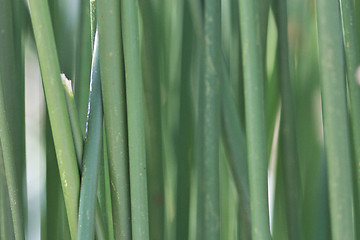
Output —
(189, 119)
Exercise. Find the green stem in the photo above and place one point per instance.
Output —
(288, 128)
(6, 225)
(113, 92)
(56, 104)
(209, 125)
(352, 56)
(9, 157)
(255, 117)
(336, 127)
(135, 110)
(92, 154)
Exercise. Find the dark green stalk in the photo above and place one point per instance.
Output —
(152, 74)
(92, 153)
(113, 89)
(56, 103)
(83, 63)
(108, 202)
(135, 111)
(185, 148)
(11, 70)
(6, 224)
(209, 123)
(288, 128)
(352, 55)
(336, 126)
(9, 157)
(255, 117)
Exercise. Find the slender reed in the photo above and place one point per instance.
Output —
(352, 56)
(113, 92)
(255, 117)
(56, 103)
(336, 127)
(209, 124)
(288, 149)
(135, 116)
(10, 169)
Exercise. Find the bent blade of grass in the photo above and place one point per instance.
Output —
(336, 127)
(135, 111)
(113, 92)
(56, 104)
(255, 117)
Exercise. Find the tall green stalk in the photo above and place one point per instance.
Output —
(209, 124)
(352, 56)
(6, 224)
(114, 99)
(9, 157)
(288, 149)
(336, 126)
(135, 114)
(255, 117)
(56, 103)
(92, 153)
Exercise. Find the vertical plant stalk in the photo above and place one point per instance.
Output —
(352, 56)
(10, 169)
(113, 92)
(56, 104)
(83, 64)
(92, 153)
(255, 117)
(235, 146)
(209, 123)
(11, 70)
(186, 128)
(135, 114)
(6, 224)
(288, 149)
(152, 56)
(336, 128)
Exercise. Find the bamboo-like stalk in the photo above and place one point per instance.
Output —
(352, 56)
(135, 114)
(209, 125)
(336, 127)
(288, 128)
(113, 92)
(255, 117)
(56, 103)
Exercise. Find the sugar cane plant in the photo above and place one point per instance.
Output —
(184, 119)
